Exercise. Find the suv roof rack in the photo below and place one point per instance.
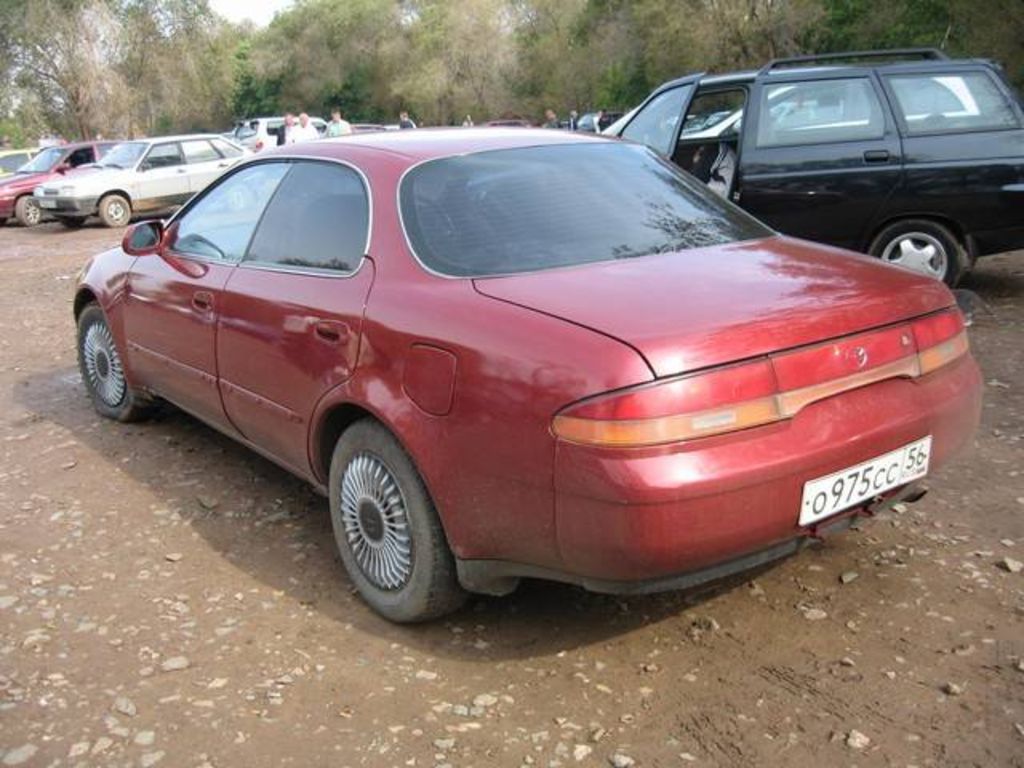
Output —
(930, 54)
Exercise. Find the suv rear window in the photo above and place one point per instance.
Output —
(536, 208)
(951, 102)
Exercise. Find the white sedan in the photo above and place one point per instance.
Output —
(145, 176)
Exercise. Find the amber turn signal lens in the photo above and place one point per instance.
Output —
(943, 353)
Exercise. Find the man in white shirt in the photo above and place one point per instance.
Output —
(338, 126)
(304, 131)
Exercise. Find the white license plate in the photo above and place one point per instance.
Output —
(850, 487)
(47, 203)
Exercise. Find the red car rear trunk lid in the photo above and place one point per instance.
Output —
(693, 309)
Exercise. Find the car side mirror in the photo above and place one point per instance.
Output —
(62, 168)
(143, 238)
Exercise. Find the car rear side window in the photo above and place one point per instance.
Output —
(819, 112)
(226, 149)
(522, 210)
(220, 224)
(199, 151)
(163, 156)
(656, 124)
(319, 219)
(952, 102)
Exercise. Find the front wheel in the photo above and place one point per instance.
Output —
(115, 211)
(102, 370)
(923, 246)
(27, 211)
(387, 530)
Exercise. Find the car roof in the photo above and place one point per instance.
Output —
(431, 143)
(178, 137)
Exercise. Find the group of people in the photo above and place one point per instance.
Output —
(302, 129)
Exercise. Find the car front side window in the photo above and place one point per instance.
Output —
(318, 220)
(220, 224)
(163, 156)
(797, 113)
(655, 126)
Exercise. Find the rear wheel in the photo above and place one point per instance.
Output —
(72, 222)
(102, 370)
(115, 211)
(387, 530)
(923, 246)
(27, 211)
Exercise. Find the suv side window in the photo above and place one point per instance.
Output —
(319, 219)
(716, 114)
(656, 124)
(199, 151)
(951, 102)
(163, 156)
(819, 112)
(220, 224)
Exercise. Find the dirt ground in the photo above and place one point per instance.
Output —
(167, 597)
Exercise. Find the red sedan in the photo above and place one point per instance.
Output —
(521, 353)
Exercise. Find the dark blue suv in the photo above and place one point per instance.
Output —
(907, 155)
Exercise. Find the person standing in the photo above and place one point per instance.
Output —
(338, 126)
(404, 121)
(304, 131)
(285, 131)
(468, 122)
(574, 120)
(551, 119)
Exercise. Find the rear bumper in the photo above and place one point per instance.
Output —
(649, 514)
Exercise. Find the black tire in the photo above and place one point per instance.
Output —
(395, 552)
(925, 246)
(72, 222)
(99, 362)
(27, 211)
(2, 221)
(115, 210)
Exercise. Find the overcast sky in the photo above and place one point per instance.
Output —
(258, 11)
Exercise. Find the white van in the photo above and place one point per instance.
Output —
(258, 133)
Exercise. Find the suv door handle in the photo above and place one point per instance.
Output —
(202, 300)
(876, 156)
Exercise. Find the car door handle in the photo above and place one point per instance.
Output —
(876, 156)
(182, 170)
(223, 165)
(202, 301)
(329, 331)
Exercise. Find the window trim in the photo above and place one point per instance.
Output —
(881, 97)
(897, 108)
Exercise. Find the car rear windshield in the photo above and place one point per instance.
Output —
(523, 210)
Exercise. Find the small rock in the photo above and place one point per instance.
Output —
(6, 601)
(619, 760)
(857, 740)
(444, 744)
(581, 752)
(952, 689)
(125, 706)
(173, 557)
(102, 744)
(20, 755)
(78, 749)
(485, 700)
(151, 758)
(815, 614)
(846, 661)
(175, 664)
(847, 576)
(1010, 565)
(426, 674)
(145, 738)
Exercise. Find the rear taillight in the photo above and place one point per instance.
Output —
(762, 391)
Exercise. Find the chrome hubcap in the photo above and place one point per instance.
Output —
(375, 522)
(918, 251)
(103, 365)
(32, 214)
(116, 211)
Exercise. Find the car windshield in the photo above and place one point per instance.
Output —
(124, 155)
(44, 161)
(522, 210)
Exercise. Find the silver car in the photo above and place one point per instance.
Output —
(144, 176)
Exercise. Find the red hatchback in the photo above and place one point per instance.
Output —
(498, 365)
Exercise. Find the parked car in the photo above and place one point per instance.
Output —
(907, 155)
(259, 133)
(143, 176)
(12, 159)
(589, 122)
(50, 164)
(496, 365)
